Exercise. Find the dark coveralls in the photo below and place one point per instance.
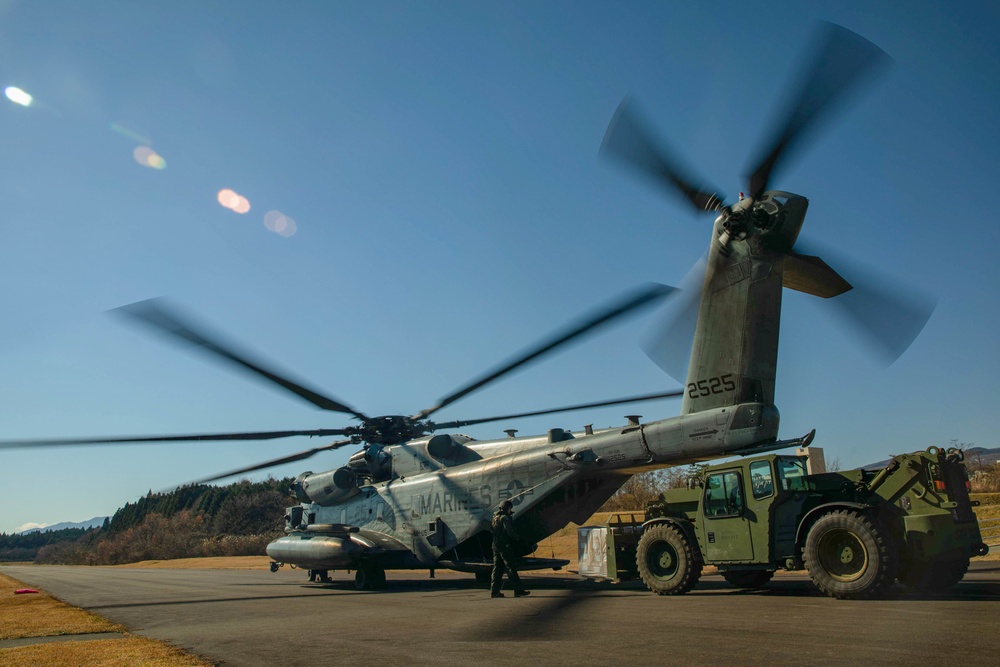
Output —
(503, 552)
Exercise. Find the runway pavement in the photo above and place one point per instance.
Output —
(236, 617)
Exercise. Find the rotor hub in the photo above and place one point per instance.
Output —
(390, 430)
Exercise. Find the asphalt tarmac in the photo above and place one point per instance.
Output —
(238, 617)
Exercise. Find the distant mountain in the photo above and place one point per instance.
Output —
(973, 455)
(92, 523)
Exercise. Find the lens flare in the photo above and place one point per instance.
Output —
(18, 96)
(234, 202)
(147, 157)
(279, 223)
(227, 197)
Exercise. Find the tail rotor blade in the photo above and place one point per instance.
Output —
(888, 319)
(628, 140)
(842, 61)
(885, 313)
(668, 341)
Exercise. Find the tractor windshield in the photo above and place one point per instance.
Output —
(791, 473)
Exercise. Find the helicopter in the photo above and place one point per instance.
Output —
(415, 498)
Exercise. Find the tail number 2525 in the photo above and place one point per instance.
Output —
(717, 385)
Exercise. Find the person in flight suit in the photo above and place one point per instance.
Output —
(504, 538)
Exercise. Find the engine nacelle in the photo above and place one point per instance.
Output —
(439, 451)
(326, 488)
(446, 448)
(374, 462)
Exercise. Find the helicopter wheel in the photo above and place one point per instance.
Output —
(369, 577)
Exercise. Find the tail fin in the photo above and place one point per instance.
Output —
(735, 349)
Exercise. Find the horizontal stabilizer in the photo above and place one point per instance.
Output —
(812, 275)
(773, 445)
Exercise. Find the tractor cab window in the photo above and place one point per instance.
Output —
(723, 495)
(760, 479)
(792, 474)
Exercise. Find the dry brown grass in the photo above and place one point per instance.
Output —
(128, 651)
(39, 615)
(989, 518)
(986, 498)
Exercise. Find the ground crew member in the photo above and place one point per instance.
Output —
(504, 538)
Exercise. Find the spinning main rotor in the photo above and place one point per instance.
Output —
(375, 431)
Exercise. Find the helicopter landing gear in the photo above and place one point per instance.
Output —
(275, 566)
(369, 577)
(321, 576)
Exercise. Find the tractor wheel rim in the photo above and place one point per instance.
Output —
(662, 560)
(843, 555)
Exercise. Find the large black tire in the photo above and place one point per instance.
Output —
(938, 575)
(669, 562)
(369, 577)
(748, 578)
(849, 556)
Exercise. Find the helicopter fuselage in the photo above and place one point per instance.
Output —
(442, 491)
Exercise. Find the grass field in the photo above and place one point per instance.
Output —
(39, 615)
(127, 651)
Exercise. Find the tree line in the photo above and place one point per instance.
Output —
(197, 520)
(24, 546)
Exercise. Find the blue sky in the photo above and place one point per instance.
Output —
(439, 161)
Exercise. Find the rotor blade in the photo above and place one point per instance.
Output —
(276, 462)
(842, 61)
(155, 313)
(620, 307)
(887, 314)
(628, 140)
(669, 340)
(582, 406)
(116, 440)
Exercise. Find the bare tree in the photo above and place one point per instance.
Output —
(643, 488)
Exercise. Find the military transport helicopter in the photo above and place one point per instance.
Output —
(412, 498)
